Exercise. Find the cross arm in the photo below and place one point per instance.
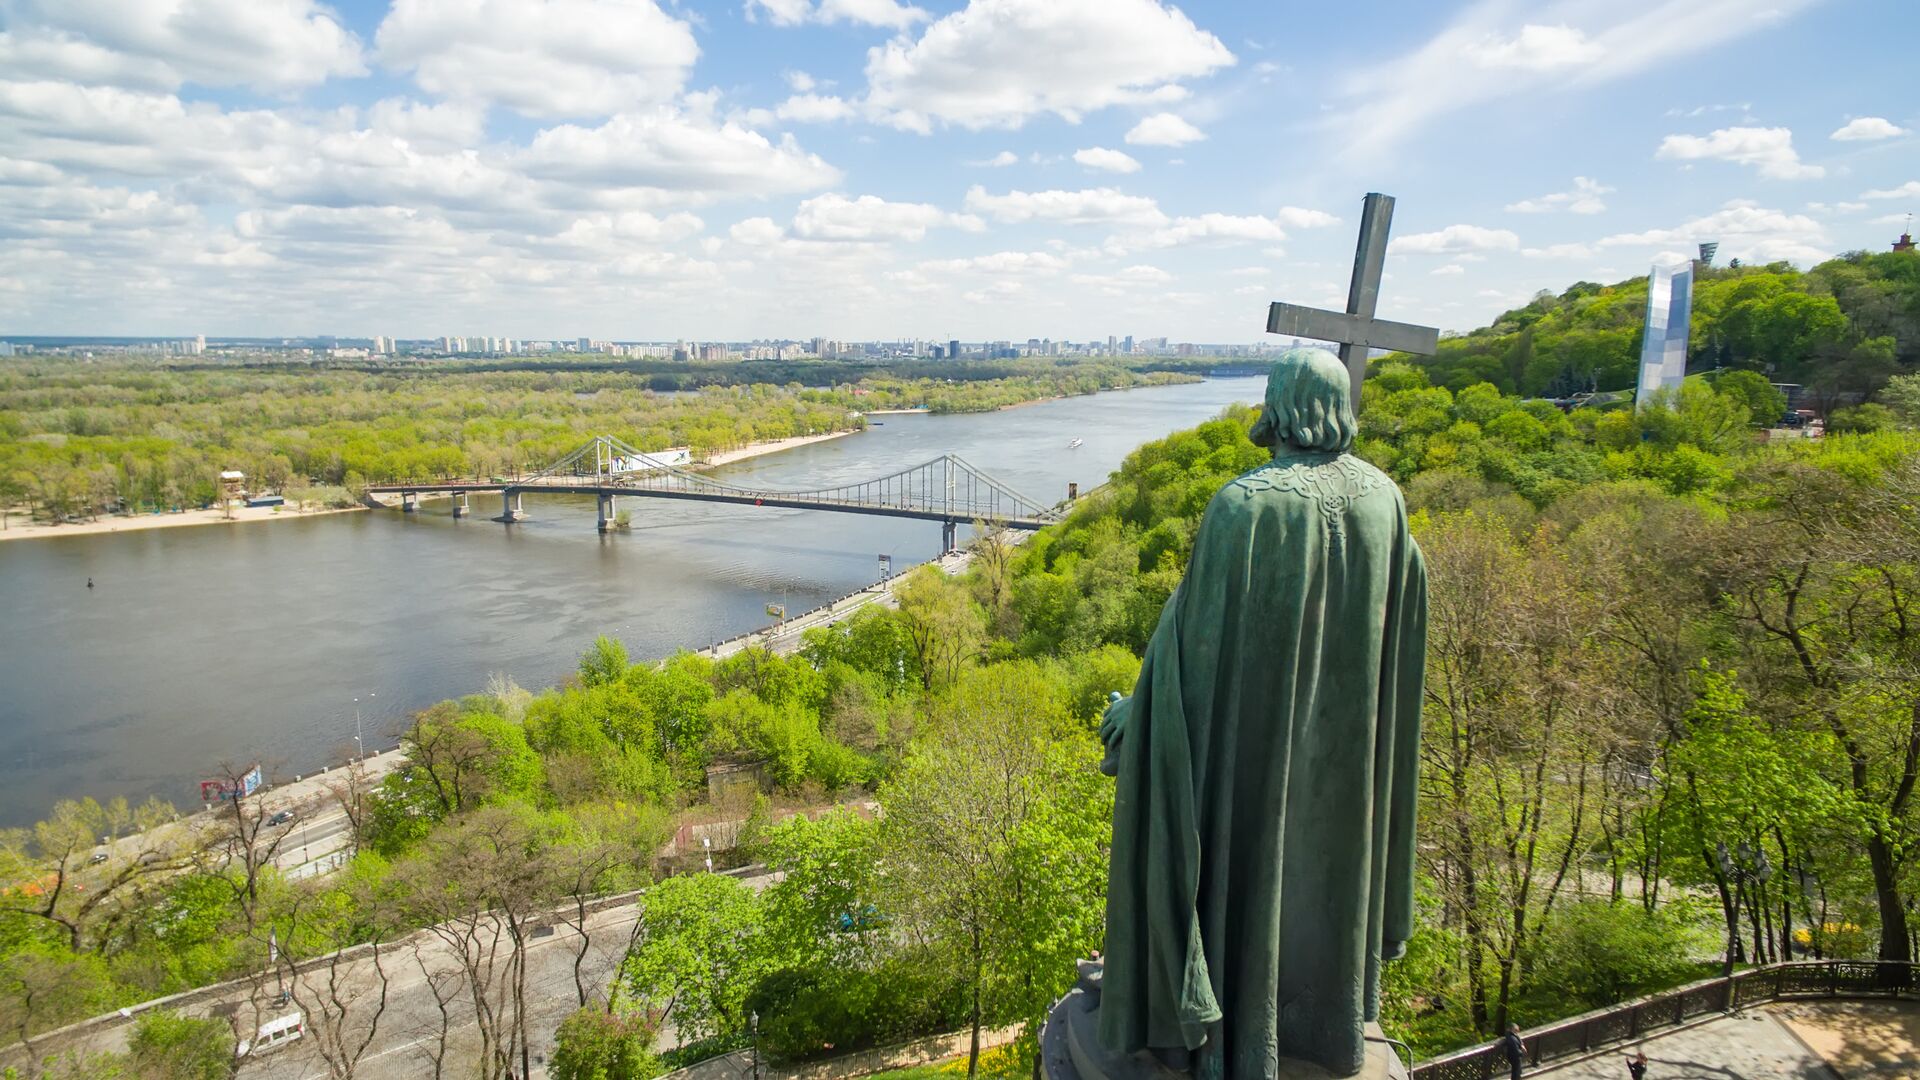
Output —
(1335, 326)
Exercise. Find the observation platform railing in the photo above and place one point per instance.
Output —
(1649, 1016)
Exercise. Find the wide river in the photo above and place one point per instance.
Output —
(251, 642)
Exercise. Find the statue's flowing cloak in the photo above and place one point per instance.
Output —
(1264, 827)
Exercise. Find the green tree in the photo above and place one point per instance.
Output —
(992, 834)
(167, 1046)
(1862, 419)
(1820, 584)
(1602, 952)
(1765, 404)
(825, 912)
(1902, 395)
(594, 1044)
(605, 662)
(697, 952)
(946, 627)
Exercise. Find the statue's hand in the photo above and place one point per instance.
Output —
(1113, 725)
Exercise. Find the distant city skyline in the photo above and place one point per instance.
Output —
(680, 349)
(877, 169)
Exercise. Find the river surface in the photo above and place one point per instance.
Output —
(250, 642)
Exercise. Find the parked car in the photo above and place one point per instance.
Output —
(98, 858)
(281, 818)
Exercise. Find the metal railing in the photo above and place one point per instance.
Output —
(947, 486)
(1649, 1016)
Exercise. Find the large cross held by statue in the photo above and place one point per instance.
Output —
(1356, 330)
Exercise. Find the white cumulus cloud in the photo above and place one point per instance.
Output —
(1536, 48)
(1457, 238)
(1163, 129)
(1000, 263)
(1908, 190)
(1099, 157)
(675, 155)
(998, 161)
(1867, 129)
(560, 58)
(1480, 56)
(1744, 230)
(1769, 150)
(997, 63)
(1295, 217)
(1091, 206)
(870, 218)
(885, 13)
(266, 44)
(1217, 229)
(813, 108)
(1583, 199)
(1559, 251)
(1132, 277)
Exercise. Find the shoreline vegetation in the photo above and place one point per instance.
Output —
(240, 515)
(80, 439)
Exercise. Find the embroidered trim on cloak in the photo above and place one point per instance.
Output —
(1335, 484)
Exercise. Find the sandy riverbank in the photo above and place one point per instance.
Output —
(20, 529)
(754, 450)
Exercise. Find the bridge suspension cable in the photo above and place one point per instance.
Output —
(948, 485)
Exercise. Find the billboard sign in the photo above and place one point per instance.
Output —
(231, 787)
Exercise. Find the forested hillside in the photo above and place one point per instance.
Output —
(1841, 329)
(1655, 636)
(83, 438)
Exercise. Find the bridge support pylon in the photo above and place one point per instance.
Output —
(460, 504)
(608, 511)
(510, 510)
(409, 502)
(948, 530)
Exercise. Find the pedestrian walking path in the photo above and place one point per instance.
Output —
(1799, 1040)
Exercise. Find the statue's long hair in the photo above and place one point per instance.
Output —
(1309, 404)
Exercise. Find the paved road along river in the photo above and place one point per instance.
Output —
(252, 641)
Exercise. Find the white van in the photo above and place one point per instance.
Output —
(274, 1034)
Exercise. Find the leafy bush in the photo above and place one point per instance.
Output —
(816, 1012)
(593, 1044)
(167, 1046)
(701, 1050)
(1862, 419)
(1601, 952)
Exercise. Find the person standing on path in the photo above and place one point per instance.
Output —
(1514, 1048)
(1637, 1065)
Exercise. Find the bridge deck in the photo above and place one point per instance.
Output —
(957, 512)
(946, 489)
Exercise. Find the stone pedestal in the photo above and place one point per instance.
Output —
(1070, 1046)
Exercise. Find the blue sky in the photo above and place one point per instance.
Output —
(864, 169)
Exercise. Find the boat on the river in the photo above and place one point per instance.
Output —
(1075, 444)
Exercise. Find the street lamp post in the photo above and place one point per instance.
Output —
(1739, 866)
(359, 746)
(753, 1025)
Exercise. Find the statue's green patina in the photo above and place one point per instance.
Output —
(1263, 835)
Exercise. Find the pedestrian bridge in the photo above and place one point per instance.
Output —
(946, 489)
